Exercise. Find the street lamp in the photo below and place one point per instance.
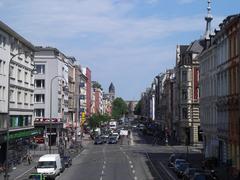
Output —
(8, 119)
(65, 87)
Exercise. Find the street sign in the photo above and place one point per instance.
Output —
(83, 118)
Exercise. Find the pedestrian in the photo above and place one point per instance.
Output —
(29, 158)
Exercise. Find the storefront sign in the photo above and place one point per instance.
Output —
(24, 134)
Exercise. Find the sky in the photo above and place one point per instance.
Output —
(127, 42)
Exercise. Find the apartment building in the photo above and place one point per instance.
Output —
(51, 92)
(16, 92)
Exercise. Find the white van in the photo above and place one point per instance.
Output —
(49, 165)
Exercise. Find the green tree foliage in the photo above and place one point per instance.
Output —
(96, 84)
(138, 108)
(97, 119)
(119, 108)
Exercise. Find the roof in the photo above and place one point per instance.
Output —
(49, 157)
(195, 47)
(11, 32)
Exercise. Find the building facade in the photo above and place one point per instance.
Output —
(187, 79)
(16, 93)
(87, 72)
(52, 74)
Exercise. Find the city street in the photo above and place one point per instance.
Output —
(138, 160)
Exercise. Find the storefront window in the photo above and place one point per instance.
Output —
(20, 121)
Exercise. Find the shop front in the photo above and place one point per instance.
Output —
(19, 144)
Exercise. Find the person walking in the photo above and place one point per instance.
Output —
(29, 158)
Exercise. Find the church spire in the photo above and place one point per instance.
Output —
(208, 19)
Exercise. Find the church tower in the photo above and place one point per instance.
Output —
(208, 20)
(111, 91)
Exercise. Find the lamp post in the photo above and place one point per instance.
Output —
(8, 119)
(50, 138)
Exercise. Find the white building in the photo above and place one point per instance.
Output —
(16, 53)
(208, 98)
(52, 69)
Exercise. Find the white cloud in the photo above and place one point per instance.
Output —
(117, 53)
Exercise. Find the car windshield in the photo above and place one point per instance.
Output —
(46, 164)
(35, 177)
(179, 161)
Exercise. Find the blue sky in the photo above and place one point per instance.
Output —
(127, 42)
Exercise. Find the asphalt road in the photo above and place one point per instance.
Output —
(133, 159)
(108, 162)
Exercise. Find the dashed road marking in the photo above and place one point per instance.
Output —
(130, 162)
(133, 171)
(135, 178)
(165, 169)
(102, 172)
(24, 173)
(103, 166)
(131, 166)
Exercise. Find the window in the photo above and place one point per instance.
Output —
(11, 95)
(40, 68)
(40, 83)
(184, 113)
(11, 73)
(82, 84)
(26, 77)
(82, 97)
(3, 40)
(184, 76)
(39, 98)
(31, 99)
(19, 75)
(39, 112)
(19, 97)
(184, 94)
(25, 99)
(59, 105)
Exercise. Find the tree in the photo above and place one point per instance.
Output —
(97, 119)
(119, 108)
(96, 84)
(138, 108)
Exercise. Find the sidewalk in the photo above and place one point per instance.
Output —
(20, 170)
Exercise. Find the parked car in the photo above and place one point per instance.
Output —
(202, 176)
(171, 160)
(67, 161)
(63, 165)
(112, 140)
(104, 138)
(177, 163)
(181, 168)
(98, 140)
(189, 173)
(116, 135)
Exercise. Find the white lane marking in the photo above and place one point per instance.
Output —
(130, 162)
(131, 166)
(103, 166)
(104, 162)
(101, 178)
(127, 157)
(165, 169)
(24, 173)
(135, 178)
(155, 169)
(133, 171)
(102, 172)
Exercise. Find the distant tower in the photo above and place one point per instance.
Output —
(112, 91)
(208, 19)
